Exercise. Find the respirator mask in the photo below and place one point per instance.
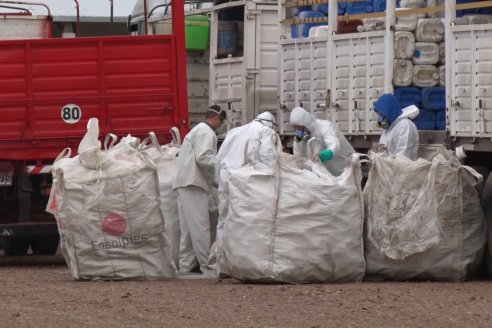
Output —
(383, 122)
(300, 135)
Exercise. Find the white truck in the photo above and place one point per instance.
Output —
(339, 76)
(239, 68)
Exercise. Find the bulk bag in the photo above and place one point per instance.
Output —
(108, 213)
(166, 160)
(294, 222)
(423, 218)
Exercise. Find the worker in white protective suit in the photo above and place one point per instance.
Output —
(195, 180)
(400, 134)
(336, 151)
(254, 140)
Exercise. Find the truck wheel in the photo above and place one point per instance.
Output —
(44, 245)
(17, 245)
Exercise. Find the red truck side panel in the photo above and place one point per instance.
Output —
(129, 83)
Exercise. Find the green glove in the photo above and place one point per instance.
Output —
(325, 155)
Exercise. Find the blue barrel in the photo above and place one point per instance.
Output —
(408, 96)
(296, 10)
(460, 13)
(441, 120)
(323, 8)
(434, 98)
(359, 7)
(426, 120)
(378, 6)
(227, 39)
(302, 30)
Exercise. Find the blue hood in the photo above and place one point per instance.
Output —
(388, 106)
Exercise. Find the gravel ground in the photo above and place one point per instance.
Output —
(47, 296)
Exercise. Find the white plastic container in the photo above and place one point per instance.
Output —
(406, 23)
(429, 30)
(479, 19)
(442, 76)
(414, 4)
(433, 3)
(425, 76)
(404, 45)
(402, 73)
(426, 53)
(461, 21)
(375, 24)
(442, 53)
(318, 31)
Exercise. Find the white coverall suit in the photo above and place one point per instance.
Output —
(401, 137)
(257, 138)
(194, 181)
(330, 137)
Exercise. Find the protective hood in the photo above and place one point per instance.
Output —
(267, 119)
(388, 106)
(299, 116)
(410, 112)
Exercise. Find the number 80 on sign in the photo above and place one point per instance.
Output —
(71, 113)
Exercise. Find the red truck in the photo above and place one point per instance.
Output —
(50, 87)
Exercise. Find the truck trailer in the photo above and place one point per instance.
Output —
(51, 87)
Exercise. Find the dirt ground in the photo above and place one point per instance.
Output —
(45, 295)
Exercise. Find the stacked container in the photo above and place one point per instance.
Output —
(351, 8)
(419, 47)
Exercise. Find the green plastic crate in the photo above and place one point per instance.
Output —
(197, 29)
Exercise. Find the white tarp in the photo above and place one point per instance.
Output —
(423, 218)
(108, 211)
(294, 223)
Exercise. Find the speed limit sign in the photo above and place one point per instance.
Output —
(71, 113)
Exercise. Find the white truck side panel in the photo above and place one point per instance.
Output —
(247, 85)
(227, 84)
(267, 67)
(23, 27)
(198, 81)
(358, 76)
(470, 89)
(302, 78)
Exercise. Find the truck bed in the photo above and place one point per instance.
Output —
(49, 88)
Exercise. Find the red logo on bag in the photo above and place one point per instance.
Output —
(53, 203)
(113, 224)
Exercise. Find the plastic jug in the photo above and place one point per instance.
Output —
(426, 53)
(402, 72)
(442, 53)
(441, 120)
(426, 120)
(434, 98)
(323, 8)
(408, 96)
(425, 76)
(359, 7)
(302, 30)
(442, 76)
(406, 23)
(404, 45)
(429, 30)
(378, 6)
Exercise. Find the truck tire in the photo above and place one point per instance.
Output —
(44, 245)
(17, 245)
